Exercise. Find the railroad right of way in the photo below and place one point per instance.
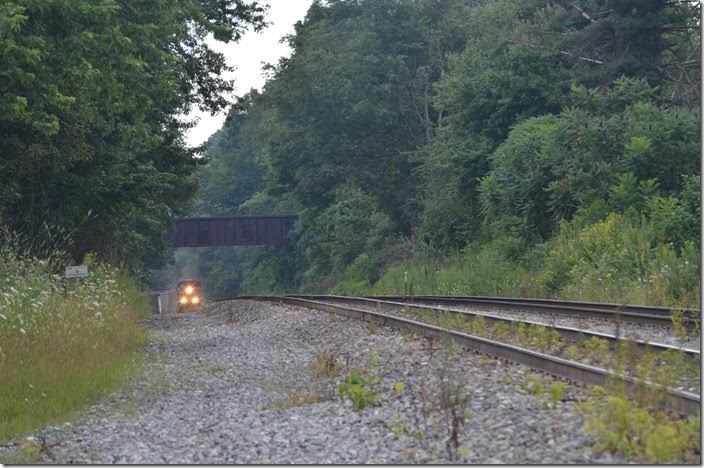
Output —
(241, 382)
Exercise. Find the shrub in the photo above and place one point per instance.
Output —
(625, 427)
(620, 260)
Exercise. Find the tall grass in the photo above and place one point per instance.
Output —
(613, 260)
(62, 342)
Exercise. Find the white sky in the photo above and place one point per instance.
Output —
(247, 56)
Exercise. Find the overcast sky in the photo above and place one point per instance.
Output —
(247, 56)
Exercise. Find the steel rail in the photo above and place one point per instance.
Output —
(632, 314)
(630, 308)
(569, 333)
(677, 400)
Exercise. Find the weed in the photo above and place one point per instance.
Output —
(678, 324)
(446, 401)
(29, 452)
(129, 410)
(398, 388)
(407, 336)
(409, 454)
(398, 428)
(354, 388)
(645, 370)
(294, 399)
(634, 430)
(555, 339)
(427, 316)
(536, 386)
(626, 356)
(372, 359)
(539, 337)
(325, 364)
(557, 391)
(217, 368)
(522, 334)
(639, 427)
(453, 404)
(480, 327)
(158, 337)
(452, 348)
(501, 331)
(675, 368)
(156, 388)
(211, 369)
(572, 352)
(597, 349)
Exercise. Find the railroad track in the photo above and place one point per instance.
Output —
(686, 402)
(630, 308)
(639, 314)
(568, 333)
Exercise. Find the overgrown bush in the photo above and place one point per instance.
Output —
(620, 258)
(635, 431)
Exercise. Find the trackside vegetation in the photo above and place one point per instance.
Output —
(617, 259)
(63, 342)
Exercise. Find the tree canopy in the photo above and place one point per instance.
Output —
(403, 126)
(91, 136)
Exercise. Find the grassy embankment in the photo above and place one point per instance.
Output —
(62, 342)
(613, 260)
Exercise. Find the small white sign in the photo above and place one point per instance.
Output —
(80, 271)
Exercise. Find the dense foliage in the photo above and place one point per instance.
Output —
(540, 148)
(90, 98)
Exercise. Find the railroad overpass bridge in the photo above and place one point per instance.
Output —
(216, 231)
(232, 230)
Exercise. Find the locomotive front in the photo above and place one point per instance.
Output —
(189, 295)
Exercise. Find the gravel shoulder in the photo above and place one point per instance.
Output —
(235, 383)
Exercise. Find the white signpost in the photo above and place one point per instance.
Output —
(80, 271)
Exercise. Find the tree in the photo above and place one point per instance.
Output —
(521, 61)
(90, 136)
(616, 146)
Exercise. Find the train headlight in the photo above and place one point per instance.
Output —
(195, 300)
(182, 300)
(189, 289)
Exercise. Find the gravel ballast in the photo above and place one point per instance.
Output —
(235, 383)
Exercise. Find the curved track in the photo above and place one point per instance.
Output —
(569, 333)
(681, 401)
(627, 313)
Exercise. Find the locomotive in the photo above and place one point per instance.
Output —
(189, 295)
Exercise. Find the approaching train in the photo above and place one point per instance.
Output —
(190, 295)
